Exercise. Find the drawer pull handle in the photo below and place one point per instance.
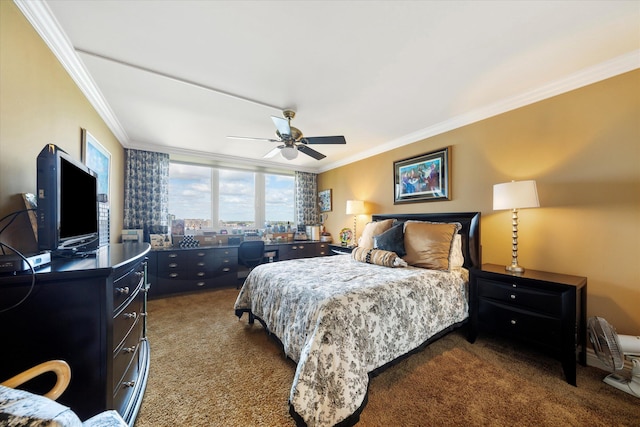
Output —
(513, 296)
(132, 315)
(201, 274)
(122, 291)
(128, 349)
(226, 269)
(200, 264)
(173, 275)
(514, 285)
(200, 284)
(201, 254)
(513, 321)
(173, 255)
(129, 383)
(173, 265)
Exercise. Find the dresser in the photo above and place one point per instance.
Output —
(90, 312)
(181, 270)
(544, 309)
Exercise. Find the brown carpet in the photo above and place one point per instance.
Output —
(209, 369)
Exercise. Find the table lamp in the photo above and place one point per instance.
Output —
(515, 195)
(355, 208)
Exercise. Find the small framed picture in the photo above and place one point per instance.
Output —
(423, 178)
(98, 159)
(324, 200)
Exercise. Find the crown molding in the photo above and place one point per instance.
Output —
(611, 68)
(46, 25)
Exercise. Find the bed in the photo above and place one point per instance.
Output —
(345, 318)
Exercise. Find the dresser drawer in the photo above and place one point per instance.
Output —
(516, 294)
(127, 319)
(323, 249)
(528, 325)
(126, 353)
(122, 393)
(172, 261)
(126, 286)
(226, 253)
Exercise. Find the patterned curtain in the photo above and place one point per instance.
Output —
(146, 191)
(306, 198)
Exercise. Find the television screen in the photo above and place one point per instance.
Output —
(78, 204)
(67, 204)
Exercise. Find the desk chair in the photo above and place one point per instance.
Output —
(251, 253)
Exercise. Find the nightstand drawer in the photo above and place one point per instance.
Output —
(519, 295)
(520, 323)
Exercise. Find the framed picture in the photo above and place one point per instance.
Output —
(98, 159)
(423, 178)
(324, 200)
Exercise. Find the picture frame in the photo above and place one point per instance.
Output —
(423, 178)
(324, 201)
(98, 159)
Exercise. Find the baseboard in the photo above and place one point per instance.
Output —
(592, 360)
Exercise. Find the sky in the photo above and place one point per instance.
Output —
(190, 194)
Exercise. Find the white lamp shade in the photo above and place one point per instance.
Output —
(515, 195)
(289, 153)
(355, 207)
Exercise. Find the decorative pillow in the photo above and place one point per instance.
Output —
(456, 258)
(428, 244)
(373, 229)
(391, 240)
(377, 257)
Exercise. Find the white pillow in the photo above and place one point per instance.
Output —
(456, 258)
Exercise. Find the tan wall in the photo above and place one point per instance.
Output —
(41, 104)
(582, 148)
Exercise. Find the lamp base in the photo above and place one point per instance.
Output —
(514, 268)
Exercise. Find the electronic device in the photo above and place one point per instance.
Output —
(612, 349)
(67, 204)
(15, 263)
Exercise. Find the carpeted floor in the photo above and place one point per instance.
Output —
(210, 369)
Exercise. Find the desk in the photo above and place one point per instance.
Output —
(180, 270)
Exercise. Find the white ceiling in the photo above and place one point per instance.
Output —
(180, 76)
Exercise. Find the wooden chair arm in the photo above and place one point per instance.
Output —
(59, 367)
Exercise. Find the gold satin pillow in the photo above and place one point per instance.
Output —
(428, 245)
(373, 229)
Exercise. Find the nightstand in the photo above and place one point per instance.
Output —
(541, 308)
(339, 249)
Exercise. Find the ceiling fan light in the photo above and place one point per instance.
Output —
(289, 153)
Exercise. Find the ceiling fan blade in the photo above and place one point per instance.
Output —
(310, 152)
(325, 140)
(254, 139)
(273, 152)
(282, 125)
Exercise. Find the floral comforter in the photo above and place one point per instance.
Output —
(340, 319)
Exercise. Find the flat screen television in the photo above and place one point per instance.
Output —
(67, 204)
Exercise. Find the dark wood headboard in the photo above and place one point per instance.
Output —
(470, 230)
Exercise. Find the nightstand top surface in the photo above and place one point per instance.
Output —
(546, 276)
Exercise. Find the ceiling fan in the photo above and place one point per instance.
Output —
(293, 140)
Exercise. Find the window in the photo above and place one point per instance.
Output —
(279, 199)
(208, 198)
